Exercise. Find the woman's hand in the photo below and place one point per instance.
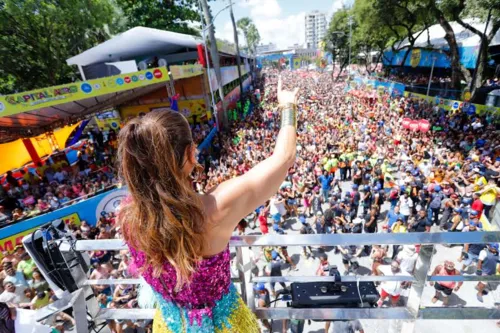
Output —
(285, 96)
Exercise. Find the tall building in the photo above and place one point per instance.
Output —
(315, 23)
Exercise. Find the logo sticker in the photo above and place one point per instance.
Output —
(86, 88)
(119, 81)
(158, 74)
(149, 75)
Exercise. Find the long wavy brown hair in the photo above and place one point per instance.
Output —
(165, 217)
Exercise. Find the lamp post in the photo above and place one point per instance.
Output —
(434, 57)
(350, 43)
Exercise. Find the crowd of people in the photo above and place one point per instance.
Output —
(54, 183)
(358, 170)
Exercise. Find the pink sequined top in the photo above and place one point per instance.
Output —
(209, 283)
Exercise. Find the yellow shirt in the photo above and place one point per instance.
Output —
(398, 228)
(479, 182)
(489, 195)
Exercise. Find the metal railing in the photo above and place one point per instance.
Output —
(409, 314)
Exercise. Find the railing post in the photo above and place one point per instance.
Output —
(80, 313)
(422, 267)
(243, 257)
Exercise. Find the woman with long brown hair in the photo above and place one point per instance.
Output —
(178, 238)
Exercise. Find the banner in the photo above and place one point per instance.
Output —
(51, 96)
(391, 87)
(453, 105)
(228, 74)
(185, 71)
(424, 58)
(89, 210)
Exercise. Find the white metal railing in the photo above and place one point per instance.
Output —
(413, 310)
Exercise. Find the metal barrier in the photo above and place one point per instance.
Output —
(413, 310)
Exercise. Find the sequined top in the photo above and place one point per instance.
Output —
(210, 282)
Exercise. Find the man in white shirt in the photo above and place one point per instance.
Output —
(390, 289)
(425, 168)
(13, 295)
(405, 206)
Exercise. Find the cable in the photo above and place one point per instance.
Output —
(359, 292)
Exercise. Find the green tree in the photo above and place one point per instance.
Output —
(170, 15)
(337, 39)
(243, 24)
(405, 19)
(253, 38)
(37, 36)
(487, 11)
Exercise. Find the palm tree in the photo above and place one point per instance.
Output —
(253, 38)
(243, 24)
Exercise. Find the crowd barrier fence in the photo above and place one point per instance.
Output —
(241, 246)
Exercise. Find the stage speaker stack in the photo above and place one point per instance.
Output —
(64, 268)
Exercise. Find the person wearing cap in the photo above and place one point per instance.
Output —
(435, 205)
(306, 229)
(273, 268)
(445, 288)
(470, 253)
(477, 205)
(263, 301)
(486, 266)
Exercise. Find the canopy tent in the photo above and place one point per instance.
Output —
(135, 43)
(14, 155)
(35, 112)
(430, 43)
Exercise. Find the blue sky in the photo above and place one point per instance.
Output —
(278, 21)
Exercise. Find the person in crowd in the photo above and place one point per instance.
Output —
(486, 266)
(445, 288)
(390, 289)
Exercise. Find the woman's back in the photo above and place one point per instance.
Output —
(171, 229)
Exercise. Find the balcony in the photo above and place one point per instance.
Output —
(414, 312)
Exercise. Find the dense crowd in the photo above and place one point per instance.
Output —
(54, 183)
(358, 170)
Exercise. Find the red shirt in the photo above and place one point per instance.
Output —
(263, 225)
(478, 206)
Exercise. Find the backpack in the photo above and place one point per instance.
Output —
(436, 201)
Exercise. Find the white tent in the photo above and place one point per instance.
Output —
(435, 34)
(136, 42)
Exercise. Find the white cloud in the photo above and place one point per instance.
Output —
(272, 25)
(262, 8)
(282, 31)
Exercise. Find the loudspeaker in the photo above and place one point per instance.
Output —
(327, 295)
(64, 271)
